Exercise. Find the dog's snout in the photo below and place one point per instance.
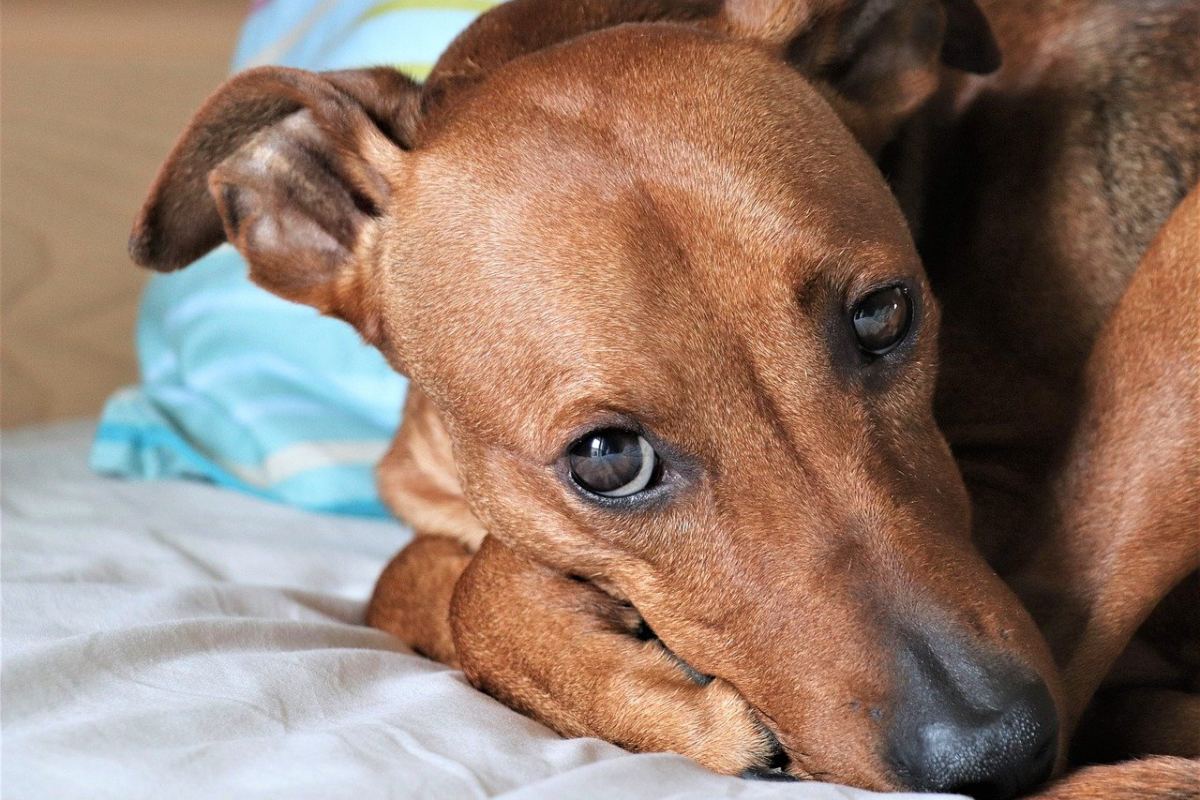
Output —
(965, 727)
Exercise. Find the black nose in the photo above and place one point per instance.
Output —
(989, 731)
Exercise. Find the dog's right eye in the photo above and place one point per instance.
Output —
(612, 462)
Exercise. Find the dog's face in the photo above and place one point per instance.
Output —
(676, 327)
(663, 314)
(685, 349)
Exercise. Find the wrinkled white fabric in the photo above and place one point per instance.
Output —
(174, 640)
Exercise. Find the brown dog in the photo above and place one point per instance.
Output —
(676, 358)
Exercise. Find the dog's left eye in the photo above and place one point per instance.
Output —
(881, 319)
(612, 462)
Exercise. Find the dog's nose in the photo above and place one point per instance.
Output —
(988, 733)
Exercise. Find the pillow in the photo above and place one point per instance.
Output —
(244, 389)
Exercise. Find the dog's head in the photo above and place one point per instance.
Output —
(677, 330)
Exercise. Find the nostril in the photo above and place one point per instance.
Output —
(1045, 754)
(1015, 782)
(1042, 763)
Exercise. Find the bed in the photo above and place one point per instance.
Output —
(180, 640)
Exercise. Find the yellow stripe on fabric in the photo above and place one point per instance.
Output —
(388, 6)
(415, 71)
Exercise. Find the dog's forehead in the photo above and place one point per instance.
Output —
(711, 138)
(665, 113)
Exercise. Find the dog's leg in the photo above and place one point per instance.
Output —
(412, 597)
(418, 479)
(1125, 504)
(1161, 778)
(419, 482)
(566, 653)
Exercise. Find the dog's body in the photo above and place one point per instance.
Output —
(1052, 178)
(702, 220)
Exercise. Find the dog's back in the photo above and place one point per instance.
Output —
(1048, 181)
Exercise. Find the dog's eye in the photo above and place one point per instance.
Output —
(881, 319)
(612, 462)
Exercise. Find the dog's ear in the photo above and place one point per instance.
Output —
(290, 167)
(968, 44)
(876, 60)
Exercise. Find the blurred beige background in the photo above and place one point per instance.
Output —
(92, 94)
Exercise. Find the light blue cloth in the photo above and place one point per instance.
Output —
(239, 387)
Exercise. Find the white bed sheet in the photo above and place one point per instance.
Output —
(173, 640)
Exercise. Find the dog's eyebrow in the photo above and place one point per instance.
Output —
(588, 411)
(852, 268)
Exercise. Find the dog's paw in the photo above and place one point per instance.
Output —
(714, 725)
(697, 715)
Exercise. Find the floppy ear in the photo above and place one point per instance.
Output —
(291, 168)
(876, 60)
